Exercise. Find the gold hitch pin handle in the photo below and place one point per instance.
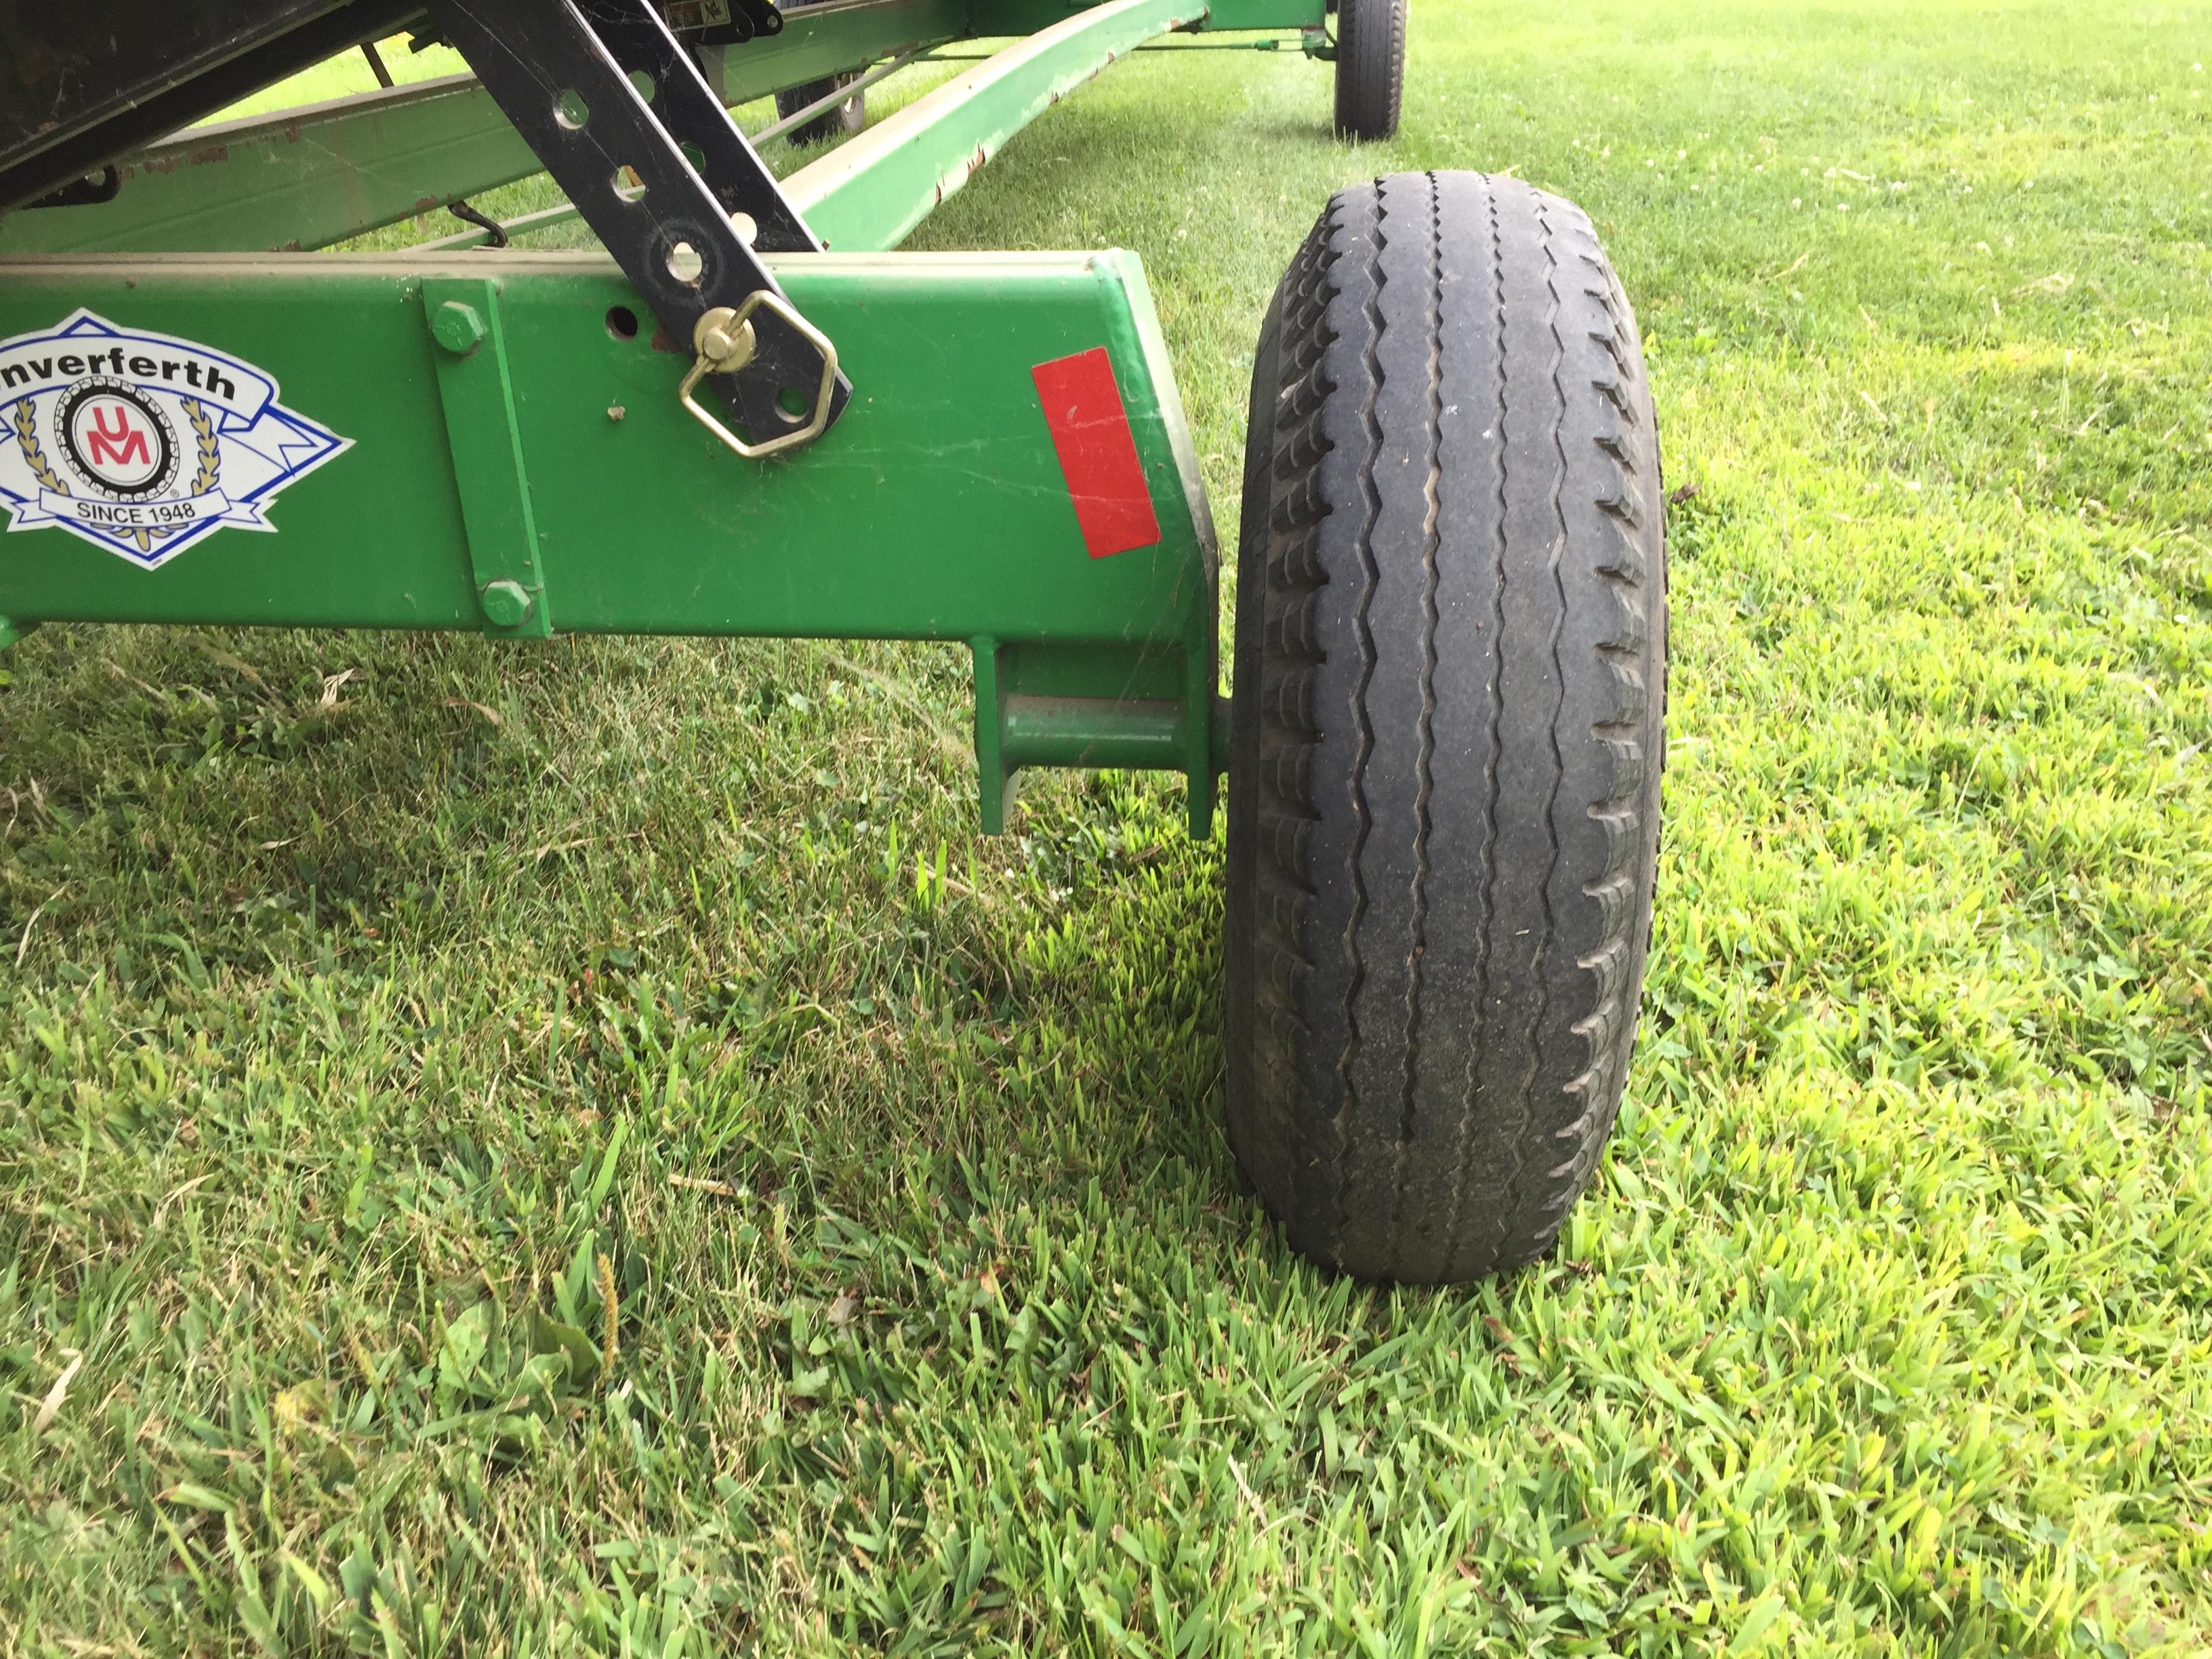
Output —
(724, 341)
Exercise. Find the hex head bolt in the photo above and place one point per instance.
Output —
(457, 327)
(505, 603)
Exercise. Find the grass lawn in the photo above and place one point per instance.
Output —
(397, 1029)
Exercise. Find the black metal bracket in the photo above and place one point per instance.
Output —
(721, 22)
(104, 186)
(690, 114)
(622, 120)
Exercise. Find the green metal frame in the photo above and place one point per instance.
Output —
(520, 464)
(550, 456)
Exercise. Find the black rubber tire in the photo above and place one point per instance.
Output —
(1446, 731)
(835, 122)
(1371, 67)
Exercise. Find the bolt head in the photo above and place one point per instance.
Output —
(506, 603)
(726, 343)
(457, 327)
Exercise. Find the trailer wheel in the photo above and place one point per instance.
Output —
(1446, 731)
(1371, 67)
(836, 121)
(833, 122)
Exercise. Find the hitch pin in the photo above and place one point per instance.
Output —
(723, 343)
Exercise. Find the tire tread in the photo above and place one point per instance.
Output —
(1445, 799)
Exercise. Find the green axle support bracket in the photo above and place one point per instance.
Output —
(518, 461)
(1030, 711)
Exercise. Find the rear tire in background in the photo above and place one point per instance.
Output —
(835, 122)
(1371, 67)
(1446, 728)
(838, 120)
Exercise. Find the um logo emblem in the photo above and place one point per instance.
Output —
(122, 446)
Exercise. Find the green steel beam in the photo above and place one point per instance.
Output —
(309, 177)
(511, 423)
(1230, 14)
(871, 190)
(296, 179)
(830, 37)
(995, 18)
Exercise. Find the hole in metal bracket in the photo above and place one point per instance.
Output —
(685, 263)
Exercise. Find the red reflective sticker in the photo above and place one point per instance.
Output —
(1098, 452)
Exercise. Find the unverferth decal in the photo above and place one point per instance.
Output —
(143, 443)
